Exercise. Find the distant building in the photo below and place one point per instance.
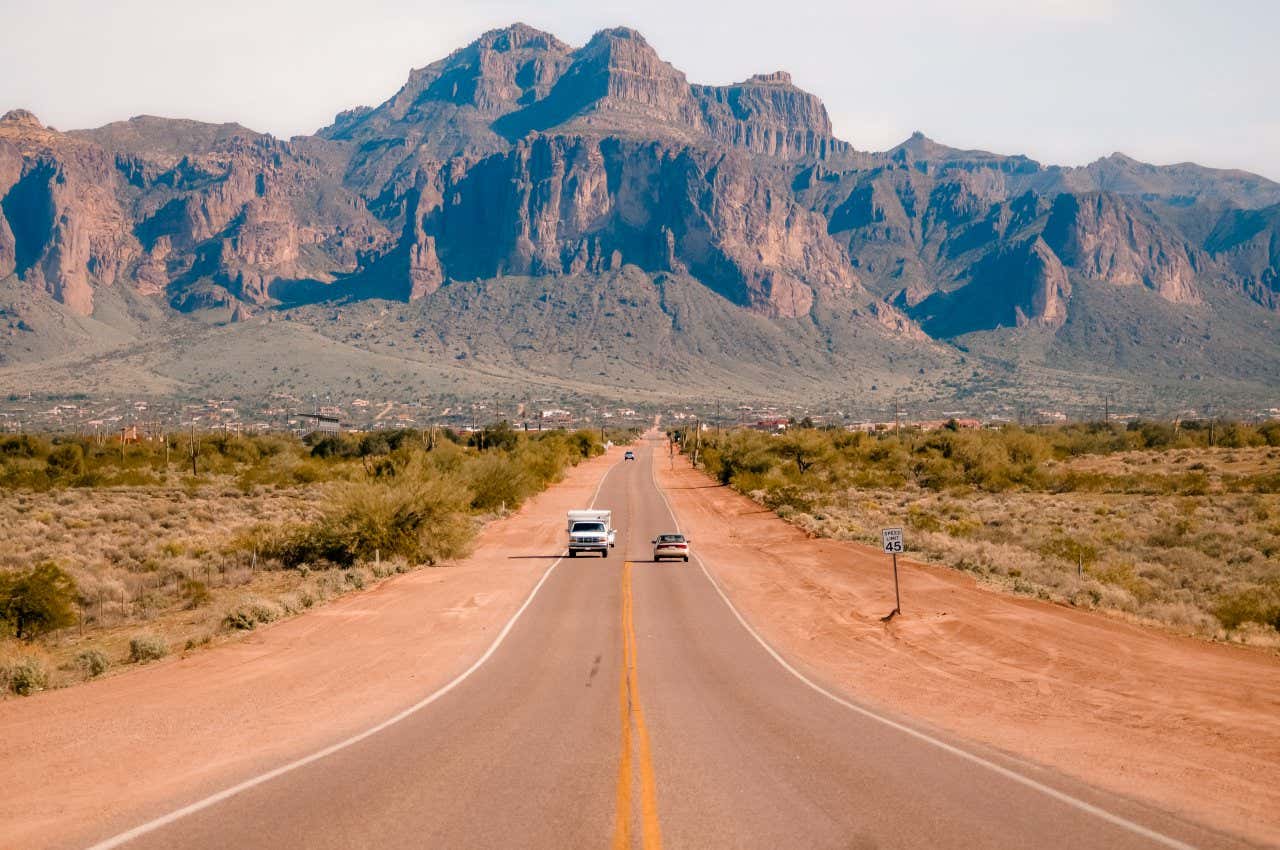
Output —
(322, 422)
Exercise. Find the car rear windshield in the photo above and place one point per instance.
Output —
(671, 538)
(588, 526)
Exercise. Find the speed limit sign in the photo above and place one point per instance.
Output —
(891, 541)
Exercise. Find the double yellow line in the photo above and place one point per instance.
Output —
(633, 713)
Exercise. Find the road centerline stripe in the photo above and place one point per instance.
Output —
(632, 711)
(622, 815)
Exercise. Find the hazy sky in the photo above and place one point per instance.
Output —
(1064, 81)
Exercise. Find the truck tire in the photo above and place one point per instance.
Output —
(686, 559)
(604, 553)
(573, 553)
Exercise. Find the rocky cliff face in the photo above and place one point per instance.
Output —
(521, 155)
(1114, 240)
(1246, 246)
(65, 231)
(567, 205)
(233, 214)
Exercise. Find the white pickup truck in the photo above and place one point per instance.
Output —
(590, 531)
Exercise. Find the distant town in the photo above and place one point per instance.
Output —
(136, 418)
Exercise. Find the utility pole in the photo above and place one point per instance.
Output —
(1107, 409)
(194, 472)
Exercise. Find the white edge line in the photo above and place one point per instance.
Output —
(227, 793)
(1012, 775)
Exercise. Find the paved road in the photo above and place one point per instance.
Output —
(629, 707)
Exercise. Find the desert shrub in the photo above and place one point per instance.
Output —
(543, 461)
(779, 493)
(1124, 575)
(1252, 605)
(920, 519)
(1069, 549)
(495, 481)
(37, 601)
(66, 461)
(23, 675)
(500, 436)
(195, 593)
(1151, 435)
(23, 446)
(1237, 435)
(333, 446)
(147, 647)
(583, 443)
(92, 662)
(249, 612)
(420, 519)
(805, 448)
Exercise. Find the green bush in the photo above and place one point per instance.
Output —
(36, 602)
(23, 446)
(495, 481)
(147, 647)
(66, 461)
(250, 612)
(93, 662)
(1252, 605)
(24, 676)
(195, 593)
(419, 519)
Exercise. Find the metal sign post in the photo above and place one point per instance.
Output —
(891, 544)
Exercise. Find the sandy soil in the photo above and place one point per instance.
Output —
(1190, 726)
(114, 752)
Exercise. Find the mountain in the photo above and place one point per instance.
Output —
(519, 164)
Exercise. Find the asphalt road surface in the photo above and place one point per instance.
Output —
(628, 706)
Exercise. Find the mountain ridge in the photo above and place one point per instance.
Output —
(520, 155)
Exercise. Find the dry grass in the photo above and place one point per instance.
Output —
(1185, 537)
(157, 562)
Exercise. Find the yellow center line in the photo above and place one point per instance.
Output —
(632, 711)
(622, 817)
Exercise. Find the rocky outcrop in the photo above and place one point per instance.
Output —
(1245, 245)
(64, 228)
(768, 115)
(567, 205)
(1115, 240)
(1021, 285)
(248, 213)
(447, 107)
(1040, 288)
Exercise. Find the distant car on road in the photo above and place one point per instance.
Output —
(629, 455)
(670, 546)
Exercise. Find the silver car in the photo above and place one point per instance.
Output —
(671, 546)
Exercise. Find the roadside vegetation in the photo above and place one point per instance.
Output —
(121, 555)
(1162, 523)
